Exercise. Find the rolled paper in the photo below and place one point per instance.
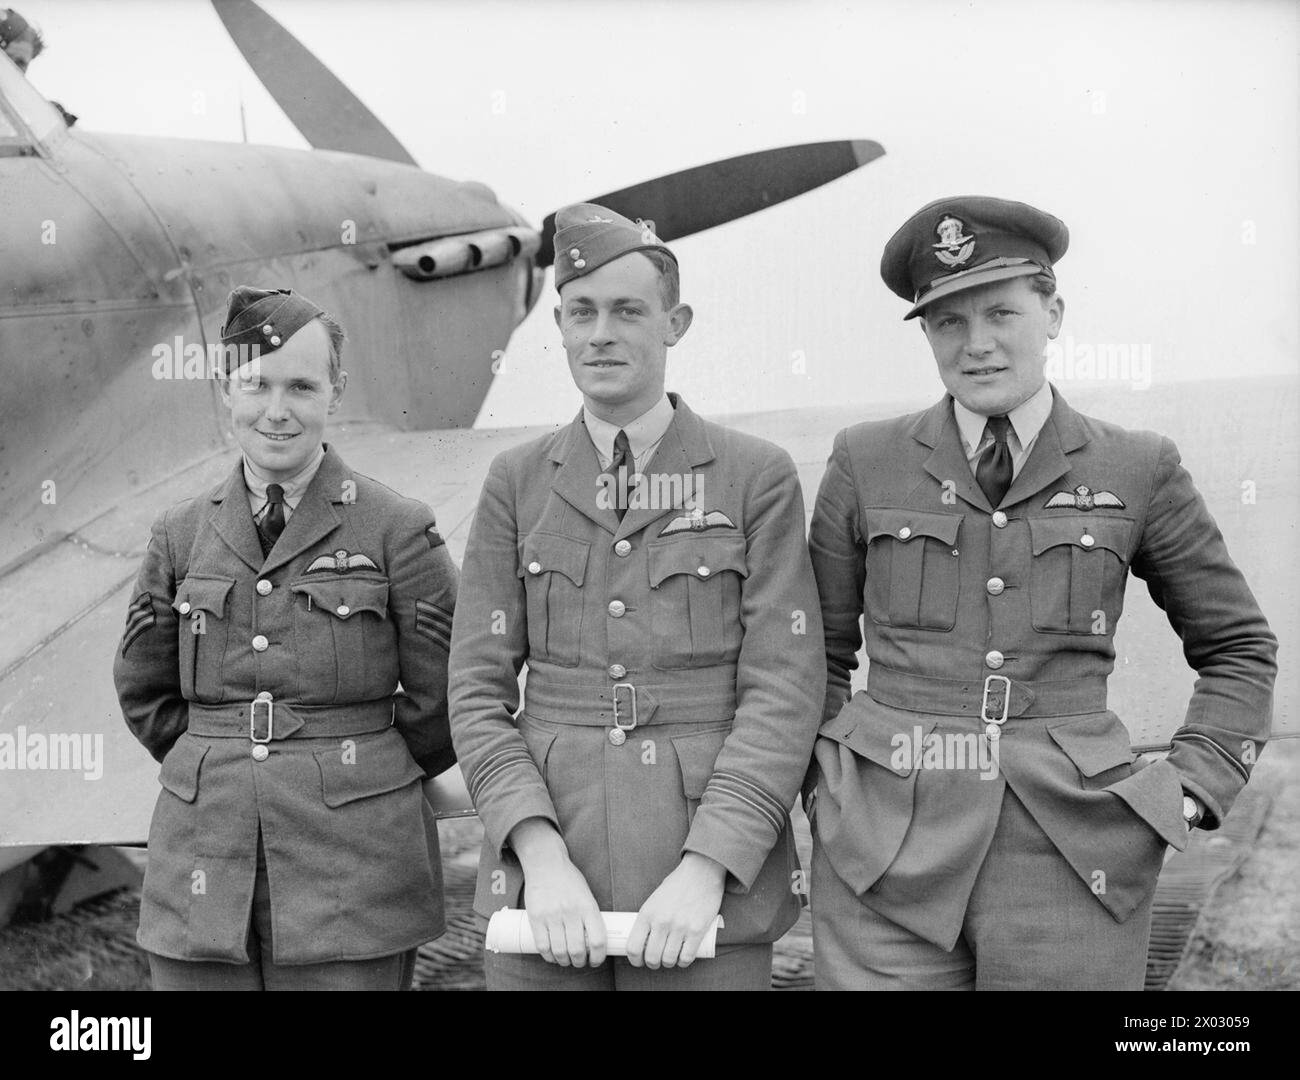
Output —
(509, 931)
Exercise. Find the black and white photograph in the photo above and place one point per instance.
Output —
(647, 495)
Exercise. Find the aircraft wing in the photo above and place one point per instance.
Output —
(62, 614)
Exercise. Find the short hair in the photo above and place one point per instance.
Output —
(1044, 284)
(336, 339)
(670, 282)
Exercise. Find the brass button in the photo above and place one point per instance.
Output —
(260, 752)
(617, 736)
(1086, 540)
(534, 567)
(617, 671)
(994, 659)
(995, 585)
(185, 608)
(343, 610)
(623, 548)
(904, 533)
(993, 731)
(999, 519)
(617, 608)
(264, 587)
(704, 571)
(265, 695)
(260, 643)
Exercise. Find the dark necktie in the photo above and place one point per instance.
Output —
(993, 472)
(622, 467)
(272, 523)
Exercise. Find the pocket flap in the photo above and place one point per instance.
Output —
(345, 596)
(561, 554)
(702, 556)
(905, 525)
(1094, 743)
(697, 754)
(1111, 533)
(198, 593)
(180, 768)
(869, 738)
(371, 766)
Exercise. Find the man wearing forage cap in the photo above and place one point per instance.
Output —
(650, 568)
(272, 622)
(979, 819)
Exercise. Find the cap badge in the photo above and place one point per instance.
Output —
(648, 232)
(596, 219)
(953, 247)
(1084, 498)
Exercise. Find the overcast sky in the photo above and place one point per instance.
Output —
(1165, 134)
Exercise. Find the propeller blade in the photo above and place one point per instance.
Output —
(329, 115)
(696, 199)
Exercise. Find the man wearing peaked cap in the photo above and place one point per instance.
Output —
(979, 820)
(650, 569)
(285, 659)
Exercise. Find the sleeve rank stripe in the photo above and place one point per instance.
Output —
(484, 776)
(761, 793)
(724, 791)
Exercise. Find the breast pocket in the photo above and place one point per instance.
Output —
(202, 631)
(1076, 582)
(912, 567)
(343, 639)
(554, 568)
(695, 587)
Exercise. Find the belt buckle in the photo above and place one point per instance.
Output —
(1006, 701)
(270, 719)
(618, 723)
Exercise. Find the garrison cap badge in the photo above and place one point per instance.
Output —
(979, 240)
(265, 318)
(340, 563)
(1084, 498)
(697, 520)
(589, 236)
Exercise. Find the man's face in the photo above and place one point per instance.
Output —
(616, 334)
(279, 402)
(988, 342)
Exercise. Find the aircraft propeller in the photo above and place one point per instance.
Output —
(331, 117)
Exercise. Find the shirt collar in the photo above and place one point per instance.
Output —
(642, 433)
(293, 487)
(1027, 419)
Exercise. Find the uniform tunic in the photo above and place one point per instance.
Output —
(356, 597)
(675, 668)
(1021, 601)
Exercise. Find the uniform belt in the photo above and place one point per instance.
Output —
(630, 704)
(984, 697)
(264, 719)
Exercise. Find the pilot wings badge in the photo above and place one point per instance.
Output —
(340, 563)
(953, 247)
(697, 521)
(1084, 498)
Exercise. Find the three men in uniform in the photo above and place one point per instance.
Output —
(650, 569)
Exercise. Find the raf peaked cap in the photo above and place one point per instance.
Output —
(588, 236)
(968, 240)
(265, 318)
